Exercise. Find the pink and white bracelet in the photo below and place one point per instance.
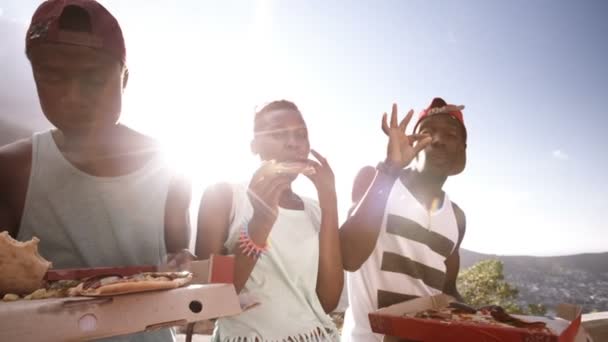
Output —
(249, 247)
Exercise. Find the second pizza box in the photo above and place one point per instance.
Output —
(391, 321)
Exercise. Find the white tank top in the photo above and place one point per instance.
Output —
(283, 280)
(87, 221)
(407, 262)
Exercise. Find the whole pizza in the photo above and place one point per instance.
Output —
(489, 315)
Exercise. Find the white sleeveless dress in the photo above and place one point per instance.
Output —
(283, 280)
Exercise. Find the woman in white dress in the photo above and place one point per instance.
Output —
(286, 246)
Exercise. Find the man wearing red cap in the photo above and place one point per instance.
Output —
(95, 192)
(402, 239)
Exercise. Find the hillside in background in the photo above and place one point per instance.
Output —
(578, 279)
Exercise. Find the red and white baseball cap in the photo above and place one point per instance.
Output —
(103, 31)
(439, 107)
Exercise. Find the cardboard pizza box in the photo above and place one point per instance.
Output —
(391, 321)
(85, 318)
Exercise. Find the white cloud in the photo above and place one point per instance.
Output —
(561, 155)
(1, 11)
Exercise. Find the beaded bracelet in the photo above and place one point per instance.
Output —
(249, 247)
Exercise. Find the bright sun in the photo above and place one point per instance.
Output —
(201, 109)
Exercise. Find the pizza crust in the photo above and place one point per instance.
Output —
(130, 287)
(21, 266)
(10, 297)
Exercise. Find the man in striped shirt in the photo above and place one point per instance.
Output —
(402, 239)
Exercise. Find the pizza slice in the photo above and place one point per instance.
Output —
(491, 315)
(54, 289)
(50, 289)
(111, 285)
(293, 167)
(26, 275)
(106, 285)
(290, 167)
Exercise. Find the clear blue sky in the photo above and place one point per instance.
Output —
(532, 74)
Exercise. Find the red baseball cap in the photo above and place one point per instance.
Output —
(439, 107)
(103, 31)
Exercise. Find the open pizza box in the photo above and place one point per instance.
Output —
(391, 321)
(209, 295)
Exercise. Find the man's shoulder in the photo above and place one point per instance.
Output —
(16, 148)
(15, 156)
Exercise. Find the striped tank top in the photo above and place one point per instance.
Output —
(407, 262)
